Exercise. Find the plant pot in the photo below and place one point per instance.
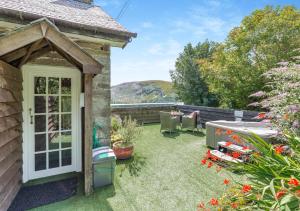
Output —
(122, 151)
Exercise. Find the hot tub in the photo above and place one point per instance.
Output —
(264, 130)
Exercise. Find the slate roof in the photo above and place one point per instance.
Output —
(68, 11)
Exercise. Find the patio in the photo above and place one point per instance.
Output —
(165, 174)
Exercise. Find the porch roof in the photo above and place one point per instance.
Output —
(39, 37)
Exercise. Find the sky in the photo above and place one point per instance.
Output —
(164, 27)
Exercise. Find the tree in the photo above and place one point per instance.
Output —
(187, 80)
(263, 39)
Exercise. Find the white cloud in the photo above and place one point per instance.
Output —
(169, 48)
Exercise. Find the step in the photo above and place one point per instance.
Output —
(223, 157)
(235, 148)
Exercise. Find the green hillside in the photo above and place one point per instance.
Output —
(143, 92)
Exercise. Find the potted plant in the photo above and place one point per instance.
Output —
(129, 131)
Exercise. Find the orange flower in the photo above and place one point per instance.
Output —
(234, 205)
(236, 154)
(285, 117)
(261, 116)
(246, 188)
(214, 202)
(214, 158)
(209, 165)
(228, 144)
(203, 161)
(236, 138)
(218, 131)
(294, 182)
(226, 181)
(280, 194)
(279, 149)
(229, 132)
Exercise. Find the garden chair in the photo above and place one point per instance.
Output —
(167, 122)
(190, 121)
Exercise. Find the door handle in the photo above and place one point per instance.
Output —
(30, 116)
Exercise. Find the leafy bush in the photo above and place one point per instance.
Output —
(116, 123)
(129, 131)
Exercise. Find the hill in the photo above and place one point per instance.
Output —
(143, 92)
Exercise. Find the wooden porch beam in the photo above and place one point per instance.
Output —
(33, 47)
(88, 133)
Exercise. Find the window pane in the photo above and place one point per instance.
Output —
(53, 141)
(66, 122)
(40, 123)
(40, 104)
(66, 104)
(53, 159)
(53, 104)
(40, 142)
(40, 161)
(66, 157)
(66, 139)
(66, 85)
(53, 122)
(39, 85)
(53, 86)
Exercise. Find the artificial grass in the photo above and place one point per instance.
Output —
(165, 174)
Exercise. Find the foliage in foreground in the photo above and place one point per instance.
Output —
(263, 39)
(188, 81)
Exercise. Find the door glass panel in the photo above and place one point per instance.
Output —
(53, 104)
(53, 122)
(39, 85)
(53, 141)
(40, 142)
(40, 161)
(40, 104)
(54, 159)
(66, 139)
(53, 87)
(66, 85)
(66, 104)
(66, 122)
(66, 157)
(40, 123)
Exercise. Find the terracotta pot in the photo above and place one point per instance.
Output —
(122, 152)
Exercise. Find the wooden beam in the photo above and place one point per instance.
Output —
(39, 53)
(33, 47)
(88, 133)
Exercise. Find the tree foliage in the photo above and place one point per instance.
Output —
(263, 39)
(188, 80)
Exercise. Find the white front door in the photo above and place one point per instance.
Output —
(51, 138)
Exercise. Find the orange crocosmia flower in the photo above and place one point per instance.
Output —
(210, 164)
(279, 150)
(226, 181)
(236, 154)
(214, 202)
(203, 161)
(236, 138)
(294, 182)
(280, 194)
(229, 132)
(228, 144)
(218, 131)
(285, 117)
(214, 158)
(246, 188)
(234, 205)
(261, 115)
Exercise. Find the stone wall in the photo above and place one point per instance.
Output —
(149, 113)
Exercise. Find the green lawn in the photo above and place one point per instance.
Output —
(165, 174)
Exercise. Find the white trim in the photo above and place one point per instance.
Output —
(28, 147)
